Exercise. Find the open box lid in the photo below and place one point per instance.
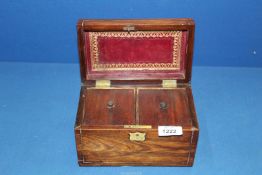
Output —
(152, 49)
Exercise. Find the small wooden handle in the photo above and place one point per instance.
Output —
(110, 104)
(163, 105)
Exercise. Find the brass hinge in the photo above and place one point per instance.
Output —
(103, 83)
(169, 83)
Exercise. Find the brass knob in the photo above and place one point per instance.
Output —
(110, 104)
(163, 105)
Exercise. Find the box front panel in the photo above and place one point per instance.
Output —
(114, 147)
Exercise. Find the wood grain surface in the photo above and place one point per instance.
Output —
(113, 146)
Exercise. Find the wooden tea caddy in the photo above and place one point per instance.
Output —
(135, 88)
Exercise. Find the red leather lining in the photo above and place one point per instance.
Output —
(135, 50)
(114, 50)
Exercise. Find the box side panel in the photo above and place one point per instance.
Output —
(78, 146)
(192, 107)
(195, 126)
(78, 123)
(193, 143)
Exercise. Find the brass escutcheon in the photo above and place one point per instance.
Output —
(137, 136)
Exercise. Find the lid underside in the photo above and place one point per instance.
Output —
(134, 55)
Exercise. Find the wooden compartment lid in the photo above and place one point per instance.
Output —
(152, 49)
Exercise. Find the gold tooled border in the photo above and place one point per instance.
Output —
(94, 51)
